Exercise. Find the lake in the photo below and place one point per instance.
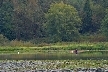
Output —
(57, 55)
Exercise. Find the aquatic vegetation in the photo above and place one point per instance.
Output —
(52, 64)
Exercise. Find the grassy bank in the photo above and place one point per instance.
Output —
(59, 46)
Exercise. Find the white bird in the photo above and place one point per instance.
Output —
(18, 52)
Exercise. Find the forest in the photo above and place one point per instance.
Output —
(54, 20)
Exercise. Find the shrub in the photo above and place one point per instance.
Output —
(43, 44)
(20, 43)
(3, 40)
(93, 38)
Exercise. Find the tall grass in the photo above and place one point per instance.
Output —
(41, 44)
(16, 43)
(76, 45)
(57, 46)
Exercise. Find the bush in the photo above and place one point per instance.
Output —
(20, 43)
(93, 38)
(3, 40)
(43, 44)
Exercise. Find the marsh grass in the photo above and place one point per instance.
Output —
(56, 46)
(56, 51)
(16, 43)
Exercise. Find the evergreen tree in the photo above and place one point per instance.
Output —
(6, 17)
(103, 3)
(104, 25)
(87, 26)
(1, 1)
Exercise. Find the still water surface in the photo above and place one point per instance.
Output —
(57, 55)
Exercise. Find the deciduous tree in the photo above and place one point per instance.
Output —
(62, 23)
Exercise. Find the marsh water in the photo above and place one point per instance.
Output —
(57, 55)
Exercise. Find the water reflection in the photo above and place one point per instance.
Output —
(57, 55)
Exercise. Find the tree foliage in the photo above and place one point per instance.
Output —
(103, 3)
(28, 19)
(87, 18)
(98, 13)
(63, 22)
(104, 26)
(1, 2)
(78, 4)
(6, 18)
(24, 19)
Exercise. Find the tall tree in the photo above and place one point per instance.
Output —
(78, 4)
(45, 4)
(28, 18)
(98, 13)
(6, 18)
(62, 22)
(104, 26)
(87, 26)
(1, 2)
(103, 3)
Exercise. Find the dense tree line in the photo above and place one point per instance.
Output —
(58, 20)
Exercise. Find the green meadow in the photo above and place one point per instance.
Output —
(65, 51)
